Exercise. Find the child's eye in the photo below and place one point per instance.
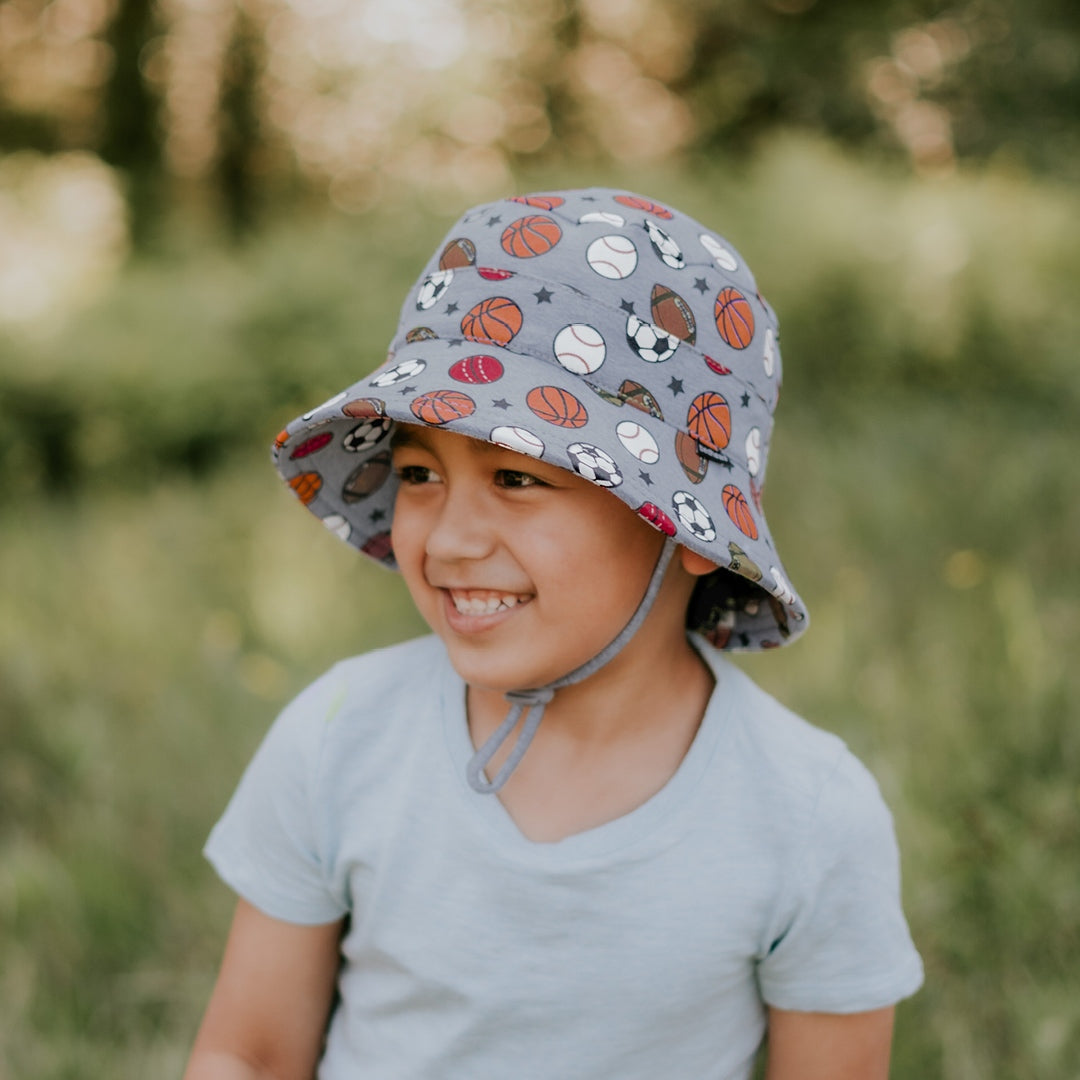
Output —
(417, 474)
(511, 478)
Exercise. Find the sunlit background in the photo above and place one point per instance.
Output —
(209, 213)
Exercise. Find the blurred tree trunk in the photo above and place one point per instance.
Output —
(131, 132)
(239, 129)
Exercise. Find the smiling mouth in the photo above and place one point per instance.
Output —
(484, 601)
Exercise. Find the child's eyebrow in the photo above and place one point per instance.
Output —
(406, 435)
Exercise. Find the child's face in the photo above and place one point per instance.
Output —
(524, 570)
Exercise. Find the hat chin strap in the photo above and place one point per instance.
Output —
(531, 703)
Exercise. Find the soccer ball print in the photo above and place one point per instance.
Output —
(601, 332)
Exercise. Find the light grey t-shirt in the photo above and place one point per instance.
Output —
(764, 872)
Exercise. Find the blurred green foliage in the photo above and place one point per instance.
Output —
(162, 594)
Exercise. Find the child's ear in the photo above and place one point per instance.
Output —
(695, 564)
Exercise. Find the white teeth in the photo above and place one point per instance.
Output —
(484, 604)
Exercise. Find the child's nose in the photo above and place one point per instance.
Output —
(461, 530)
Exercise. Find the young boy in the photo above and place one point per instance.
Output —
(561, 838)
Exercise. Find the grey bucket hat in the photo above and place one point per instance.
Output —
(601, 332)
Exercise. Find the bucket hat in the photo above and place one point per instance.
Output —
(606, 334)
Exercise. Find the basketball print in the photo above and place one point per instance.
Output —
(721, 256)
(367, 477)
(637, 441)
(439, 407)
(669, 253)
(636, 202)
(557, 406)
(613, 256)
(672, 313)
(657, 518)
(476, 369)
(638, 397)
(306, 486)
(734, 318)
(407, 369)
(432, 289)
(579, 348)
(312, 445)
(530, 236)
(494, 321)
(708, 420)
(737, 509)
(281, 439)
(693, 464)
(540, 202)
(420, 333)
(459, 252)
(517, 438)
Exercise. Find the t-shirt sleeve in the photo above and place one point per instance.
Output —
(841, 943)
(269, 846)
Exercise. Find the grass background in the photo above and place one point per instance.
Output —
(162, 595)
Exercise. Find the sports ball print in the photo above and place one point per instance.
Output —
(420, 333)
(637, 202)
(637, 397)
(669, 253)
(716, 366)
(325, 405)
(281, 439)
(781, 589)
(650, 342)
(580, 348)
(364, 408)
(753, 451)
(541, 202)
(493, 273)
(336, 524)
(312, 445)
(637, 441)
(693, 464)
(734, 318)
(720, 254)
(768, 356)
(742, 564)
(366, 435)
(494, 321)
(432, 289)
(602, 217)
(407, 369)
(708, 420)
(694, 517)
(672, 313)
(737, 509)
(594, 464)
(477, 369)
(657, 518)
(378, 546)
(557, 406)
(306, 486)
(367, 477)
(613, 256)
(530, 236)
(438, 407)
(459, 252)
(517, 438)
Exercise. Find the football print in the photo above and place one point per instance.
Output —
(672, 314)
(432, 288)
(652, 344)
(668, 251)
(364, 408)
(689, 456)
(407, 369)
(420, 333)
(367, 477)
(459, 252)
(594, 464)
(742, 564)
(637, 397)
(368, 434)
(694, 517)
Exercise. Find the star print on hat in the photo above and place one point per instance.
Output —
(604, 333)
